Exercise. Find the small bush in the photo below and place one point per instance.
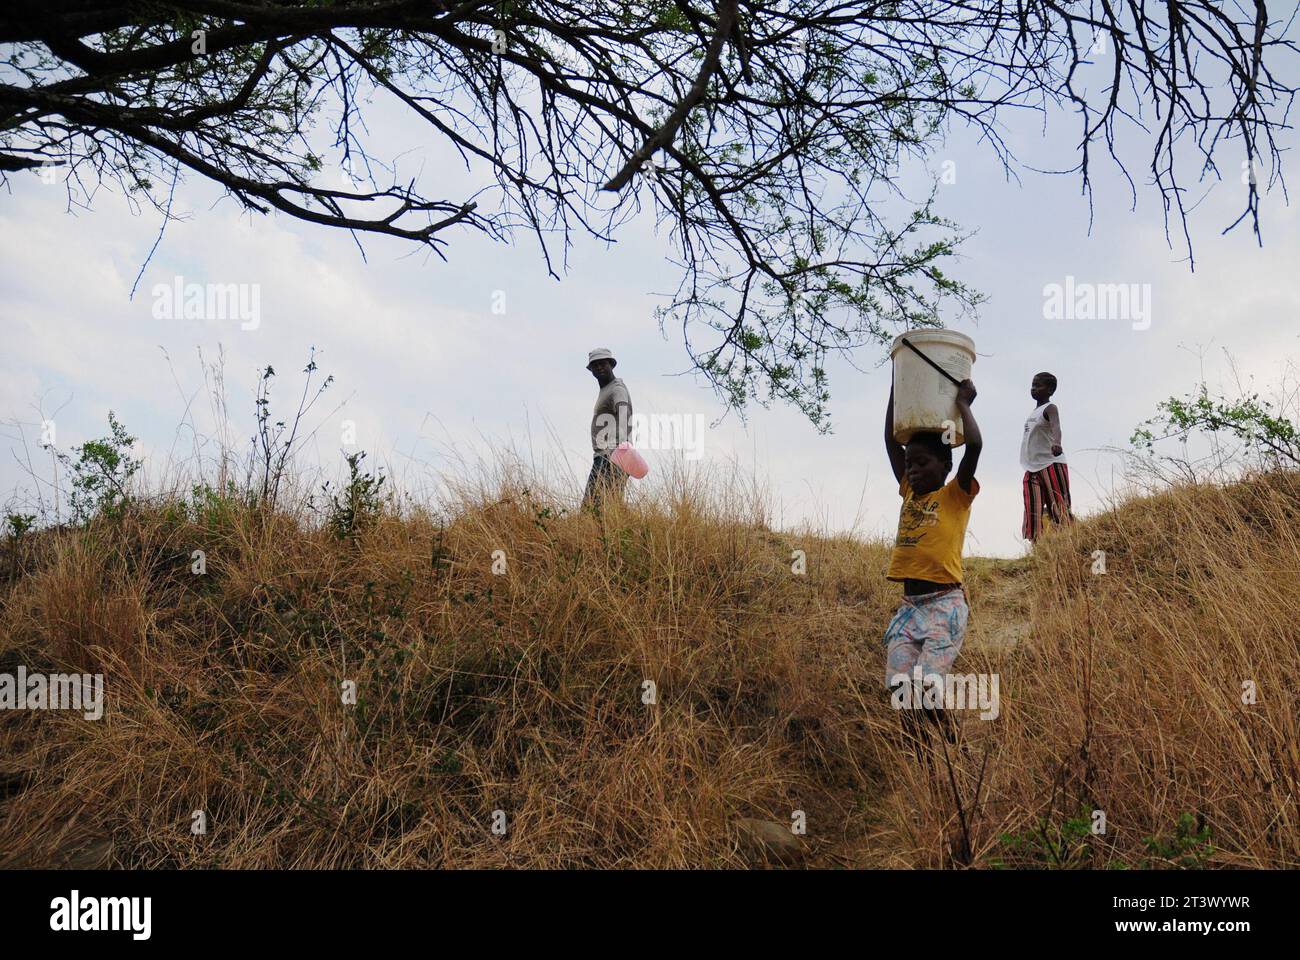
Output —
(357, 504)
(101, 473)
(1189, 847)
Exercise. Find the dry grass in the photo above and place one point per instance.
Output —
(1131, 692)
(523, 692)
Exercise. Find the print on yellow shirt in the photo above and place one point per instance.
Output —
(931, 531)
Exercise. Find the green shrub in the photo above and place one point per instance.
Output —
(101, 473)
(1189, 847)
(1064, 847)
(357, 503)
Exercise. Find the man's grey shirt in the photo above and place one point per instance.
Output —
(608, 429)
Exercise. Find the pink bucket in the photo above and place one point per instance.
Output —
(629, 461)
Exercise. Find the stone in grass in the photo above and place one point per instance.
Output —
(765, 841)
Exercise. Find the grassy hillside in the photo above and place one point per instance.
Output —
(523, 691)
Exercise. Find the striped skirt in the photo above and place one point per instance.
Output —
(1047, 493)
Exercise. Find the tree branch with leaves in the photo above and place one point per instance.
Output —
(766, 135)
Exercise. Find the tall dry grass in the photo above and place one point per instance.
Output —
(1131, 697)
(523, 692)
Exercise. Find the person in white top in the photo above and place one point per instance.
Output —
(1047, 478)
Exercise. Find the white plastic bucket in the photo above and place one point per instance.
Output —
(923, 398)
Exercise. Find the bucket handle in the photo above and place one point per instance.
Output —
(911, 346)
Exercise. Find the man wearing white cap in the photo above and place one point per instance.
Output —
(610, 425)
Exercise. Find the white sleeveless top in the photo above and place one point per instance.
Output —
(1036, 445)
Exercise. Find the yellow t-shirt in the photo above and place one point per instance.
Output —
(931, 531)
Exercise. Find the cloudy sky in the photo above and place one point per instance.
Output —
(433, 377)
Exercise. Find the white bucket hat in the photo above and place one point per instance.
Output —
(600, 353)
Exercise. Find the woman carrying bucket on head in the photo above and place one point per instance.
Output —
(929, 414)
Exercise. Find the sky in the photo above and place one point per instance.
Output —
(438, 364)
